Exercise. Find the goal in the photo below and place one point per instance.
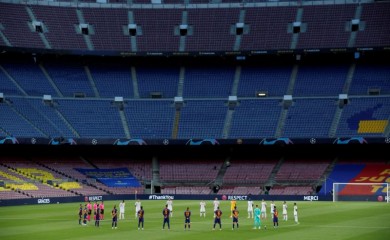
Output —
(361, 192)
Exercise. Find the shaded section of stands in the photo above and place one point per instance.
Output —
(210, 29)
(195, 171)
(326, 26)
(248, 172)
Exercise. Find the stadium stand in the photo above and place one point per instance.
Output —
(374, 14)
(364, 116)
(202, 118)
(320, 32)
(369, 77)
(61, 23)
(150, 119)
(306, 117)
(196, 171)
(208, 83)
(185, 190)
(268, 78)
(29, 77)
(25, 36)
(293, 170)
(67, 167)
(164, 81)
(109, 26)
(311, 77)
(211, 29)
(30, 180)
(241, 190)
(266, 25)
(255, 118)
(84, 70)
(291, 190)
(158, 29)
(86, 118)
(356, 170)
(248, 172)
(158, 117)
(70, 78)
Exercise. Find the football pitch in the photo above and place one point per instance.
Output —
(317, 220)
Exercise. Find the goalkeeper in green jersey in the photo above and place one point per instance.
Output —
(257, 219)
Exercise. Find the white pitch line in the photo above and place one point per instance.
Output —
(344, 226)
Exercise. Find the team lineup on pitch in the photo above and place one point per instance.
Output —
(94, 214)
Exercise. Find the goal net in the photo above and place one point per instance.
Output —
(361, 192)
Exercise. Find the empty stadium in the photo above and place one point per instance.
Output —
(191, 98)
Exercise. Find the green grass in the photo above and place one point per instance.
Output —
(318, 220)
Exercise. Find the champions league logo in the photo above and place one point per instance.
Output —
(277, 141)
(62, 141)
(207, 141)
(134, 141)
(9, 140)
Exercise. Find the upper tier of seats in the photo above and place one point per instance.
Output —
(309, 26)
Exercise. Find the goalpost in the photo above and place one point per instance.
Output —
(361, 192)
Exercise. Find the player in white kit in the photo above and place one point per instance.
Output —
(285, 216)
(137, 205)
(122, 209)
(202, 208)
(263, 209)
(170, 206)
(250, 208)
(296, 213)
(216, 205)
(272, 208)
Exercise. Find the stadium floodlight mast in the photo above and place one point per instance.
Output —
(384, 187)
